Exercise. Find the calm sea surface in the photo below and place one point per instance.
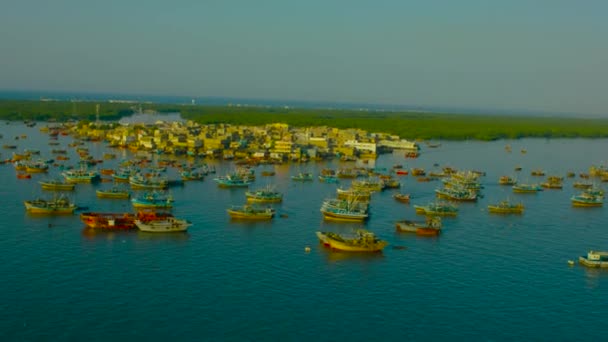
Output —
(487, 277)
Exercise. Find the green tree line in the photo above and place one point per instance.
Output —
(409, 125)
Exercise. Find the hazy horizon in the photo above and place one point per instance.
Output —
(518, 56)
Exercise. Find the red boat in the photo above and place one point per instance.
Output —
(108, 220)
(24, 176)
(401, 172)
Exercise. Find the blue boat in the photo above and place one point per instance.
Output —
(153, 200)
(233, 181)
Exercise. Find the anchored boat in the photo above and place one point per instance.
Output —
(594, 259)
(363, 241)
(250, 212)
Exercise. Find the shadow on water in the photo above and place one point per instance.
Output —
(105, 234)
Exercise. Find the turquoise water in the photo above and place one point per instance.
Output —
(487, 277)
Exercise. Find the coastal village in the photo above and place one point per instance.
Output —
(275, 142)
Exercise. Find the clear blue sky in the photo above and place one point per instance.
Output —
(538, 55)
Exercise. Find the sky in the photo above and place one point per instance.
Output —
(515, 55)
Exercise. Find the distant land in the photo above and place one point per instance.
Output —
(226, 101)
(406, 123)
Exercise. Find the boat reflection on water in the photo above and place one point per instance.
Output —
(131, 234)
(332, 255)
(173, 236)
(107, 234)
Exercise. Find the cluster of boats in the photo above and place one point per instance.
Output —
(146, 221)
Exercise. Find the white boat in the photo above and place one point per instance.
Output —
(165, 225)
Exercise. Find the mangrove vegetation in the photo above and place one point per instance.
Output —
(408, 125)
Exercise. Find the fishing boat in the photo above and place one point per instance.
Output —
(430, 227)
(363, 241)
(154, 181)
(108, 220)
(36, 167)
(457, 194)
(168, 224)
(266, 195)
(506, 207)
(56, 206)
(405, 198)
(328, 179)
(233, 181)
(437, 209)
(343, 210)
(81, 176)
(586, 199)
(353, 195)
(401, 172)
(153, 200)
(506, 180)
(113, 192)
(526, 188)
(302, 177)
(251, 212)
(347, 173)
(594, 259)
(370, 185)
(56, 184)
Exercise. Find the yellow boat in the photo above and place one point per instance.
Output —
(364, 241)
(506, 207)
(249, 212)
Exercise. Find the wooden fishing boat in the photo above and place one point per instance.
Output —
(437, 209)
(405, 198)
(56, 206)
(113, 192)
(250, 212)
(163, 225)
(266, 195)
(342, 210)
(353, 195)
(153, 181)
(527, 188)
(302, 177)
(233, 181)
(401, 172)
(537, 172)
(153, 200)
(363, 241)
(594, 259)
(81, 176)
(506, 207)
(582, 185)
(587, 200)
(36, 167)
(457, 194)
(430, 227)
(108, 220)
(56, 184)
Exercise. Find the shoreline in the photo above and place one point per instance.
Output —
(411, 125)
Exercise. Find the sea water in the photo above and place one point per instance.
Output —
(487, 277)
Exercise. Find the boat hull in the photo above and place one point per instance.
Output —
(108, 220)
(343, 246)
(169, 225)
(343, 217)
